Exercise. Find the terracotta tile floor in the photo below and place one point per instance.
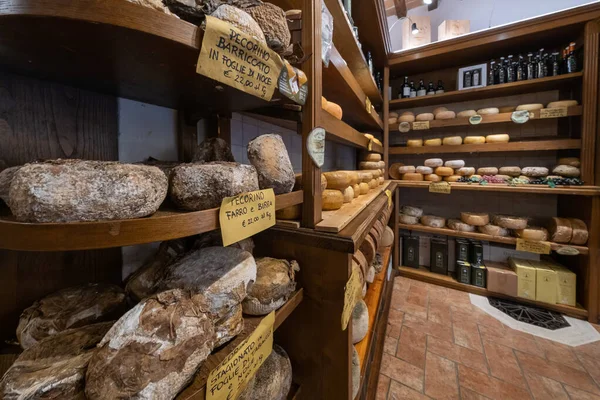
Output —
(439, 346)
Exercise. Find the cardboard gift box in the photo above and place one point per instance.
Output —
(526, 277)
(501, 279)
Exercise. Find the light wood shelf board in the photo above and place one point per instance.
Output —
(341, 132)
(500, 187)
(537, 145)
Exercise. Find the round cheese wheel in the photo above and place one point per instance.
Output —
(524, 178)
(465, 171)
(393, 171)
(406, 169)
(380, 180)
(387, 239)
(454, 164)
(365, 176)
(445, 115)
(476, 219)
(500, 138)
(364, 188)
(373, 183)
(412, 211)
(452, 141)
(444, 171)
(412, 176)
(289, 213)
(452, 178)
(407, 113)
(368, 165)
(487, 171)
(560, 230)
(509, 222)
(572, 161)
(434, 162)
(562, 103)
(493, 230)
(460, 226)
(532, 233)
(466, 114)
(566, 170)
(361, 261)
(425, 117)
(580, 231)
(424, 170)
(507, 109)
(368, 249)
(298, 183)
(510, 171)
(339, 180)
(474, 140)
(323, 102)
(393, 114)
(433, 221)
(433, 142)
(375, 172)
(348, 194)
(414, 142)
(439, 110)
(408, 219)
(406, 118)
(334, 109)
(505, 177)
(488, 111)
(372, 157)
(356, 189)
(392, 121)
(332, 199)
(534, 172)
(530, 107)
(476, 176)
(381, 164)
(432, 178)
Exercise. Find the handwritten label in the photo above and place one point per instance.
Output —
(232, 375)
(316, 146)
(352, 293)
(368, 105)
(420, 125)
(388, 193)
(553, 112)
(475, 119)
(531, 246)
(246, 214)
(404, 127)
(567, 251)
(520, 117)
(440, 187)
(234, 58)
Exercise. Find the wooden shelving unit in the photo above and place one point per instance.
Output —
(341, 132)
(537, 145)
(499, 187)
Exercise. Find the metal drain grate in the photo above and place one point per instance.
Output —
(530, 315)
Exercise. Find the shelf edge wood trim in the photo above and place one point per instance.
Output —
(341, 132)
(498, 187)
(539, 145)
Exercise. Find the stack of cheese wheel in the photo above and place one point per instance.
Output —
(392, 118)
(339, 189)
(372, 162)
(410, 215)
(443, 113)
(332, 108)
(567, 230)
(409, 173)
(406, 116)
(457, 167)
(562, 104)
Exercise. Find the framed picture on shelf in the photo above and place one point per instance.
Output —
(472, 77)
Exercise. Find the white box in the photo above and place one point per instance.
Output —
(451, 28)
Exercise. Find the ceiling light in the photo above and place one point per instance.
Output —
(414, 29)
(427, 1)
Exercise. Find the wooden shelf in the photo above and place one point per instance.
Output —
(533, 145)
(197, 389)
(114, 47)
(481, 236)
(498, 187)
(506, 89)
(342, 88)
(423, 274)
(343, 39)
(341, 132)
(162, 225)
(486, 119)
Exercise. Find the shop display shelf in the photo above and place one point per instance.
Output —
(339, 131)
(500, 187)
(532, 145)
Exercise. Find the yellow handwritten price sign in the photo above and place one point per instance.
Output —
(368, 105)
(370, 145)
(351, 296)
(553, 112)
(231, 376)
(531, 246)
(440, 187)
(246, 214)
(420, 125)
(388, 193)
(236, 59)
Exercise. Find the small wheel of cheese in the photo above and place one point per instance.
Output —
(487, 171)
(444, 171)
(433, 142)
(412, 211)
(433, 221)
(580, 231)
(408, 219)
(572, 161)
(368, 165)
(535, 172)
(488, 111)
(332, 199)
(566, 170)
(424, 117)
(434, 162)
(504, 177)
(376, 173)
(373, 183)
(560, 230)
(562, 103)
(407, 113)
(381, 165)
(439, 110)
(510, 171)
(289, 213)
(406, 118)
(474, 140)
(493, 230)
(452, 178)
(393, 114)
(380, 180)
(460, 226)
(392, 121)
(524, 178)
(393, 170)
(414, 142)
(475, 219)
(356, 189)
(365, 176)
(432, 178)
(425, 170)
(406, 169)
(532, 233)
(452, 141)
(445, 115)
(530, 107)
(364, 188)
(454, 164)
(465, 171)
(510, 222)
(466, 114)
(348, 194)
(412, 176)
(507, 109)
(500, 138)
(334, 109)
(372, 157)
(339, 180)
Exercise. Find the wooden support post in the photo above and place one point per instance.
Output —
(386, 115)
(187, 137)
(589, 122)
(592, 286)
(225, 127)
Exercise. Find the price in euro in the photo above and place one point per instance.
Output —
(246, 214)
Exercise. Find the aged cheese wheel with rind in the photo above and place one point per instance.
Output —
(433, 221)
(412, 211)
(460, 226)
(475, 219)
(510, 222)
(560, 230)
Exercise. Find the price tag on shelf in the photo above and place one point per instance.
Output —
(475, 119)
(532, 246)
(567, 251)
(420, 125)
(440, 187)
(553, 112)
(368, 105)
(352, 293)
(520, 117)
(231, 376)
(316, 146)
(388, 193)
(246, 214)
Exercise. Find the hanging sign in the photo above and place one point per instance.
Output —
(567, 251)
(553, 112)
(440, 187)
(368, 105)
(388, 193)
(532, 246)
(246, 214)
(236, 59)
(420, 125)
(351, 295)
(316, 146)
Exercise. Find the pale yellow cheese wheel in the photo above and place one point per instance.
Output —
(414, 142)
(373, 183)
(289, 213)
(393, 114)
(348, 194)
(407, 113)
(425, 117)
(475, 219)
(392, 121)
(510, 171)
(439, 110)
(353, 175)
(364, 188)
(298, 183)
(572, 161)
(332, 199)
(433, 142)
(488, 111)
(465, 171)
(334, 109)
(444, 171)
(365, 176)
(466, 114)
(432, 178)
(562, 103)
(452, 178)
(487, 171)
(372, 157)
(452, 141)
(499, 138)
(376, 173)
(507, 109)
(356, 189)
(474, 140)
(380, 180)
(412, 176)
(530, 107)
(339, 180)
(532, 233)
(445, 115)
(406, 118)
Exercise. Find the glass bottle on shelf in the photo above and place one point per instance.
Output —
(440, 88)
(430, 89)
(521, 70)
(491, 78)
(476, 78)
(468, 80)
(555, 64)
(540, 64)
(531, 68)
(510, 72)
(502, 71)
(405, 89)
(547, 64)
(413, 91)
(571, 60)
(422, 91)
(370, 62)
(563, 63)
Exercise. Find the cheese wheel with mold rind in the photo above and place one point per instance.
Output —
(566, 170)
(434, 162)
(273, 286)
(439, 110)
(535, 172)
(433, 142)
(510, 171)
(476, 219)
(348, 194)
(465, 171)
(432, 178)
(530, 107)
(387, 239)
(466, 114)
(510, 222)
(372, 157)
(499, 138)
(454, 164)
(487, 171)
(373, 183)
(360, 321)
(365, 176)
(424, 117)
(392, 121)
(393, 171)
(572, 161)
(452, 178)
(444, 171)
(507, 109)
(408, 220)
(333, 199)
(339, 180)
(560, 230)
(368, 165)
(532, 233)
(474, 140)
(406, 169)
(445, 115)
(414, 142)
(368, 249)
(364, 188)
(433, 221)
(488, 111)
(355, 371)
(580, 231)
(411, 211)
(412, 176)
(562, 103)
(424, 170)
(460, 226)
(493, 230)
(273, 379)
(406, 118)
(452, 141)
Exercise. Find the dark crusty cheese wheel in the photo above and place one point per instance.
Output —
(368, 248)
(360, 259)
